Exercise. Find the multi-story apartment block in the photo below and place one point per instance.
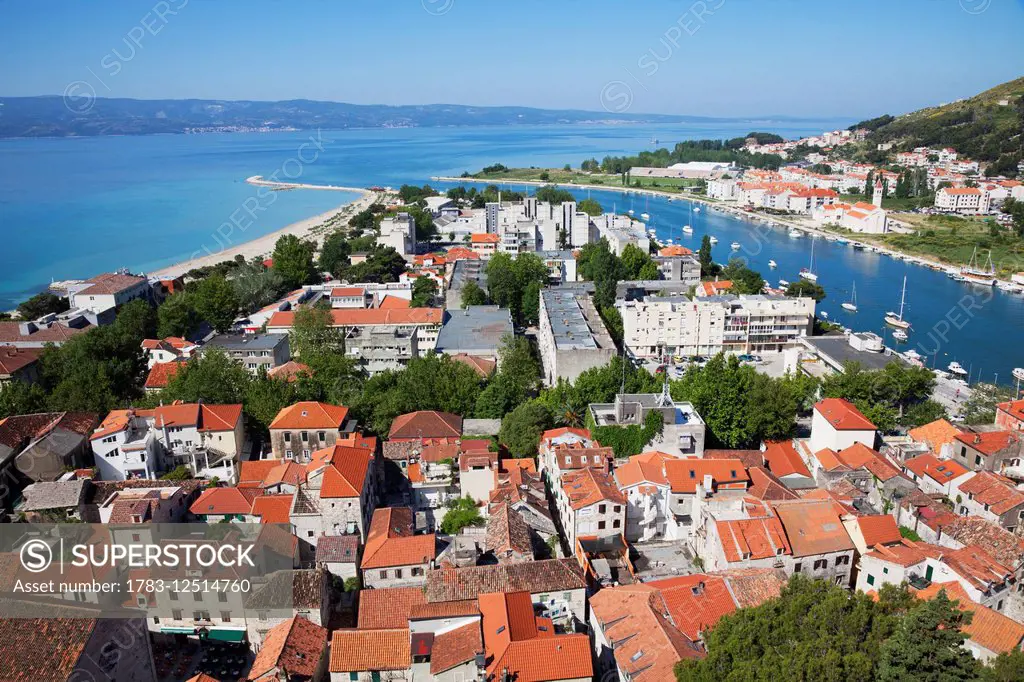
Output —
(572, 338)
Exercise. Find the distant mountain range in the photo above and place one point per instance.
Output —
(52, 116)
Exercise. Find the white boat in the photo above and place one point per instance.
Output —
(687, 229)
(795, 233)
(851, 305)
(1011, 287)
(958, 369)
(696, 209)
(668, 241)
(630, 211)
(899, 335)
(974, 274)
(772, 264)
(645, 216)
(912, 356)
(783, 284)
(808, 272)
(713, 239)
(896, 319)
(735, 246)
(824, 315)
(1018, 373)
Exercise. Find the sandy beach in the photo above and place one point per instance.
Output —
(264, 245)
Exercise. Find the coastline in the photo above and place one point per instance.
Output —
(264, 245)
(865, 240)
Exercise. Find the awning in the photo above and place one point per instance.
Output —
(178, 631)
(226, 635)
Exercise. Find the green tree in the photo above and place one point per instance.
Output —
(424, 290)
(980, 407)
(177, 316)
(256, 287)
(590, 206)
(461, 512)
(707, 265)
(212, 377)
(744, 280)
(19, 397)
(522, 427)
(804, 288)
(813, 631)
(334, 254)
(516, 380)
(472, 294)
(928, 645)
(265, 397)
(216, 302)
(313, 333)
(43, 303)
(179, 473)
(382, 265)
(293, 260)
(530, 307)
(1006, 667)
(634, 260)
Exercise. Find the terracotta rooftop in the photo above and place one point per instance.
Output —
(391, 542)
(585, 487)
(10, 332)
(842, 415)
(547, 575)
(685, 474)
(42, 648)
(370, 650)
(647, 467)
(110, 283)
(337, 549)
(1001, 544)
(977, 566)
(878, 529)
(1014, 408)
(783, 459)
(987, 628)
(161, 374)
(988, 442)
(426, 424)
(942, 471)
(295, 646)
(388, 607)
(751, 539)
(483, 366)
(359, 317)
(13, 359)
(507, 532)
(812, 527)
(998, 494)
(764, 485)
(310, 415)
(272, 508)
(455, 647)
(934, 434)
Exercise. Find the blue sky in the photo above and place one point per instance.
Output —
(740, 58)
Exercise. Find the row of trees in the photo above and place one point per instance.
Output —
(515, 283)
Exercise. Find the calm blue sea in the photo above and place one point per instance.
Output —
(75, 207)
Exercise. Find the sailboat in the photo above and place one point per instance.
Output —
(645, 216)
(808, 272)
(851, 305)
(713, 239)
(896, 319)
(974, 274)
(772, 264)
(688, 229)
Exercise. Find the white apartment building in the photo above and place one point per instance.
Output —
(620, 231)
(109, 290)
(399, 233)
(572, 338)
(968, 200)
(589, 504)
(836, 425)
(655, 327)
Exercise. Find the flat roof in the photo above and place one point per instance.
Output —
(838, 349)
(247, 341)
(474, 328)
(574, 320)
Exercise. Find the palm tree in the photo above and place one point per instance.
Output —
(570, 414)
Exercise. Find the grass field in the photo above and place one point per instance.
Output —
(952, 240)
(892, 203)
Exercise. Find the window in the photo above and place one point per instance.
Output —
(416, 572)
(977, 460)
(616, 523)
(871, 579)
(398, 574)
(156, 621)
(288, 454)
(197, 596)
(601, 509)
(797, 566)
(173, 596)
(321, 436)
(222, 597)
(999, 606)
(287, 437)
(885, 571)
(383, 575)
(305, 436)
(225, 616)
(176, 614)
(600, 525)
(842, 560)
(309, 533)
(820, 563)
(617, 509)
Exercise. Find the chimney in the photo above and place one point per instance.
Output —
(709, 482)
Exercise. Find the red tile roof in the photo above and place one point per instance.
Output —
(990, 489)
(391, 542)
(546, 575)
(588, 486)
(289, 371)
(370, 650)
(392, 302)
(648, 644)
(759, 538)
(977, 566)
(764, 485)
(939, 470)
(10, 332)
(272, 508)
(40, 649)
(784, 460)
(357, 317)
(842, 415)
(110, 283)
(812, 527)
(455, 647)
(13, 359)
(934, 434)
(426, 424)
(987, 628)
(564, 430)
(989, 442)
(483, 366)
(310, 415)
(647, 467)
(1013, 408)
(346, 470)
(514, 641)
(218, 501)
(389, 607)
(485, 238)
(219, 417)
(684, 474)
(878, 529)
(295, 646)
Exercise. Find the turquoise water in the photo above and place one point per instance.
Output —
(76, 207)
